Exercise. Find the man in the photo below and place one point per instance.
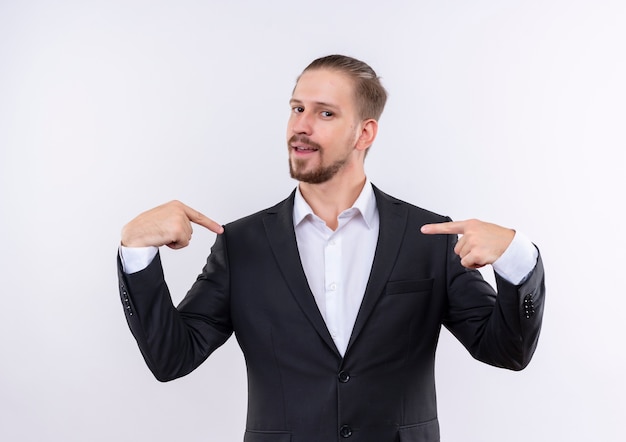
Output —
(338, 293)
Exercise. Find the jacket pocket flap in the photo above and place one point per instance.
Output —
(409, 286)
(424, 432)
(266, 436)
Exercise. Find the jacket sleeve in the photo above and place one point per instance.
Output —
(500, 329)
(176, 340)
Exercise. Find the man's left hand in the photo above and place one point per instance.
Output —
(480, 243)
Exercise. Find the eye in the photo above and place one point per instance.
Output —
(327, 114)
(297, 109)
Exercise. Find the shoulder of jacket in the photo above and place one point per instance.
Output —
(284, 205)
(383, 198)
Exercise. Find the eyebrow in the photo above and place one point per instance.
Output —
(316, 103)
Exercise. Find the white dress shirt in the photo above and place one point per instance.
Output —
(337, 263)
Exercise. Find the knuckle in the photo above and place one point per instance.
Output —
(177, 231)
(473, 223)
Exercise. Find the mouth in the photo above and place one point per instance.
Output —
(303, 146)
(304, 149)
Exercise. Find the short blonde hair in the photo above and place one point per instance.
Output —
(370, 94)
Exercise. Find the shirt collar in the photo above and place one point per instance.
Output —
(365, 204)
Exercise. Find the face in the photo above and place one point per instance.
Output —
(323, 127)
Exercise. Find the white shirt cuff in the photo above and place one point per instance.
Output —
(135, 259)
(518, 260)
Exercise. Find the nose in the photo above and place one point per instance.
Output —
(301, 123)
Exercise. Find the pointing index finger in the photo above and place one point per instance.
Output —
(452, 227)
(202, 220)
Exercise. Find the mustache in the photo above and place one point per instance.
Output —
(304, 140)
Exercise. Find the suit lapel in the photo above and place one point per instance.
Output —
(393, 218)
(282, 238)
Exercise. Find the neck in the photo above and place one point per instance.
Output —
(332, 197)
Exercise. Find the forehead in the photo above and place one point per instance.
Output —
(324, 86)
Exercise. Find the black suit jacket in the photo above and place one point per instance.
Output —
(300, 388)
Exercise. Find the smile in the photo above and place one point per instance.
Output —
(303, 148)
(303, 145)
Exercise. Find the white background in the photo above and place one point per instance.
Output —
(509, 111)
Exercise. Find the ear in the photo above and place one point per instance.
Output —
(369, 129)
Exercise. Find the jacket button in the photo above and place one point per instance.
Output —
(529, 306)
(343, 377)
(345, 431)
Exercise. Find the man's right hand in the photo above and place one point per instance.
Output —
(166, 225)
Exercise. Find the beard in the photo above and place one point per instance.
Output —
(321, 173)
